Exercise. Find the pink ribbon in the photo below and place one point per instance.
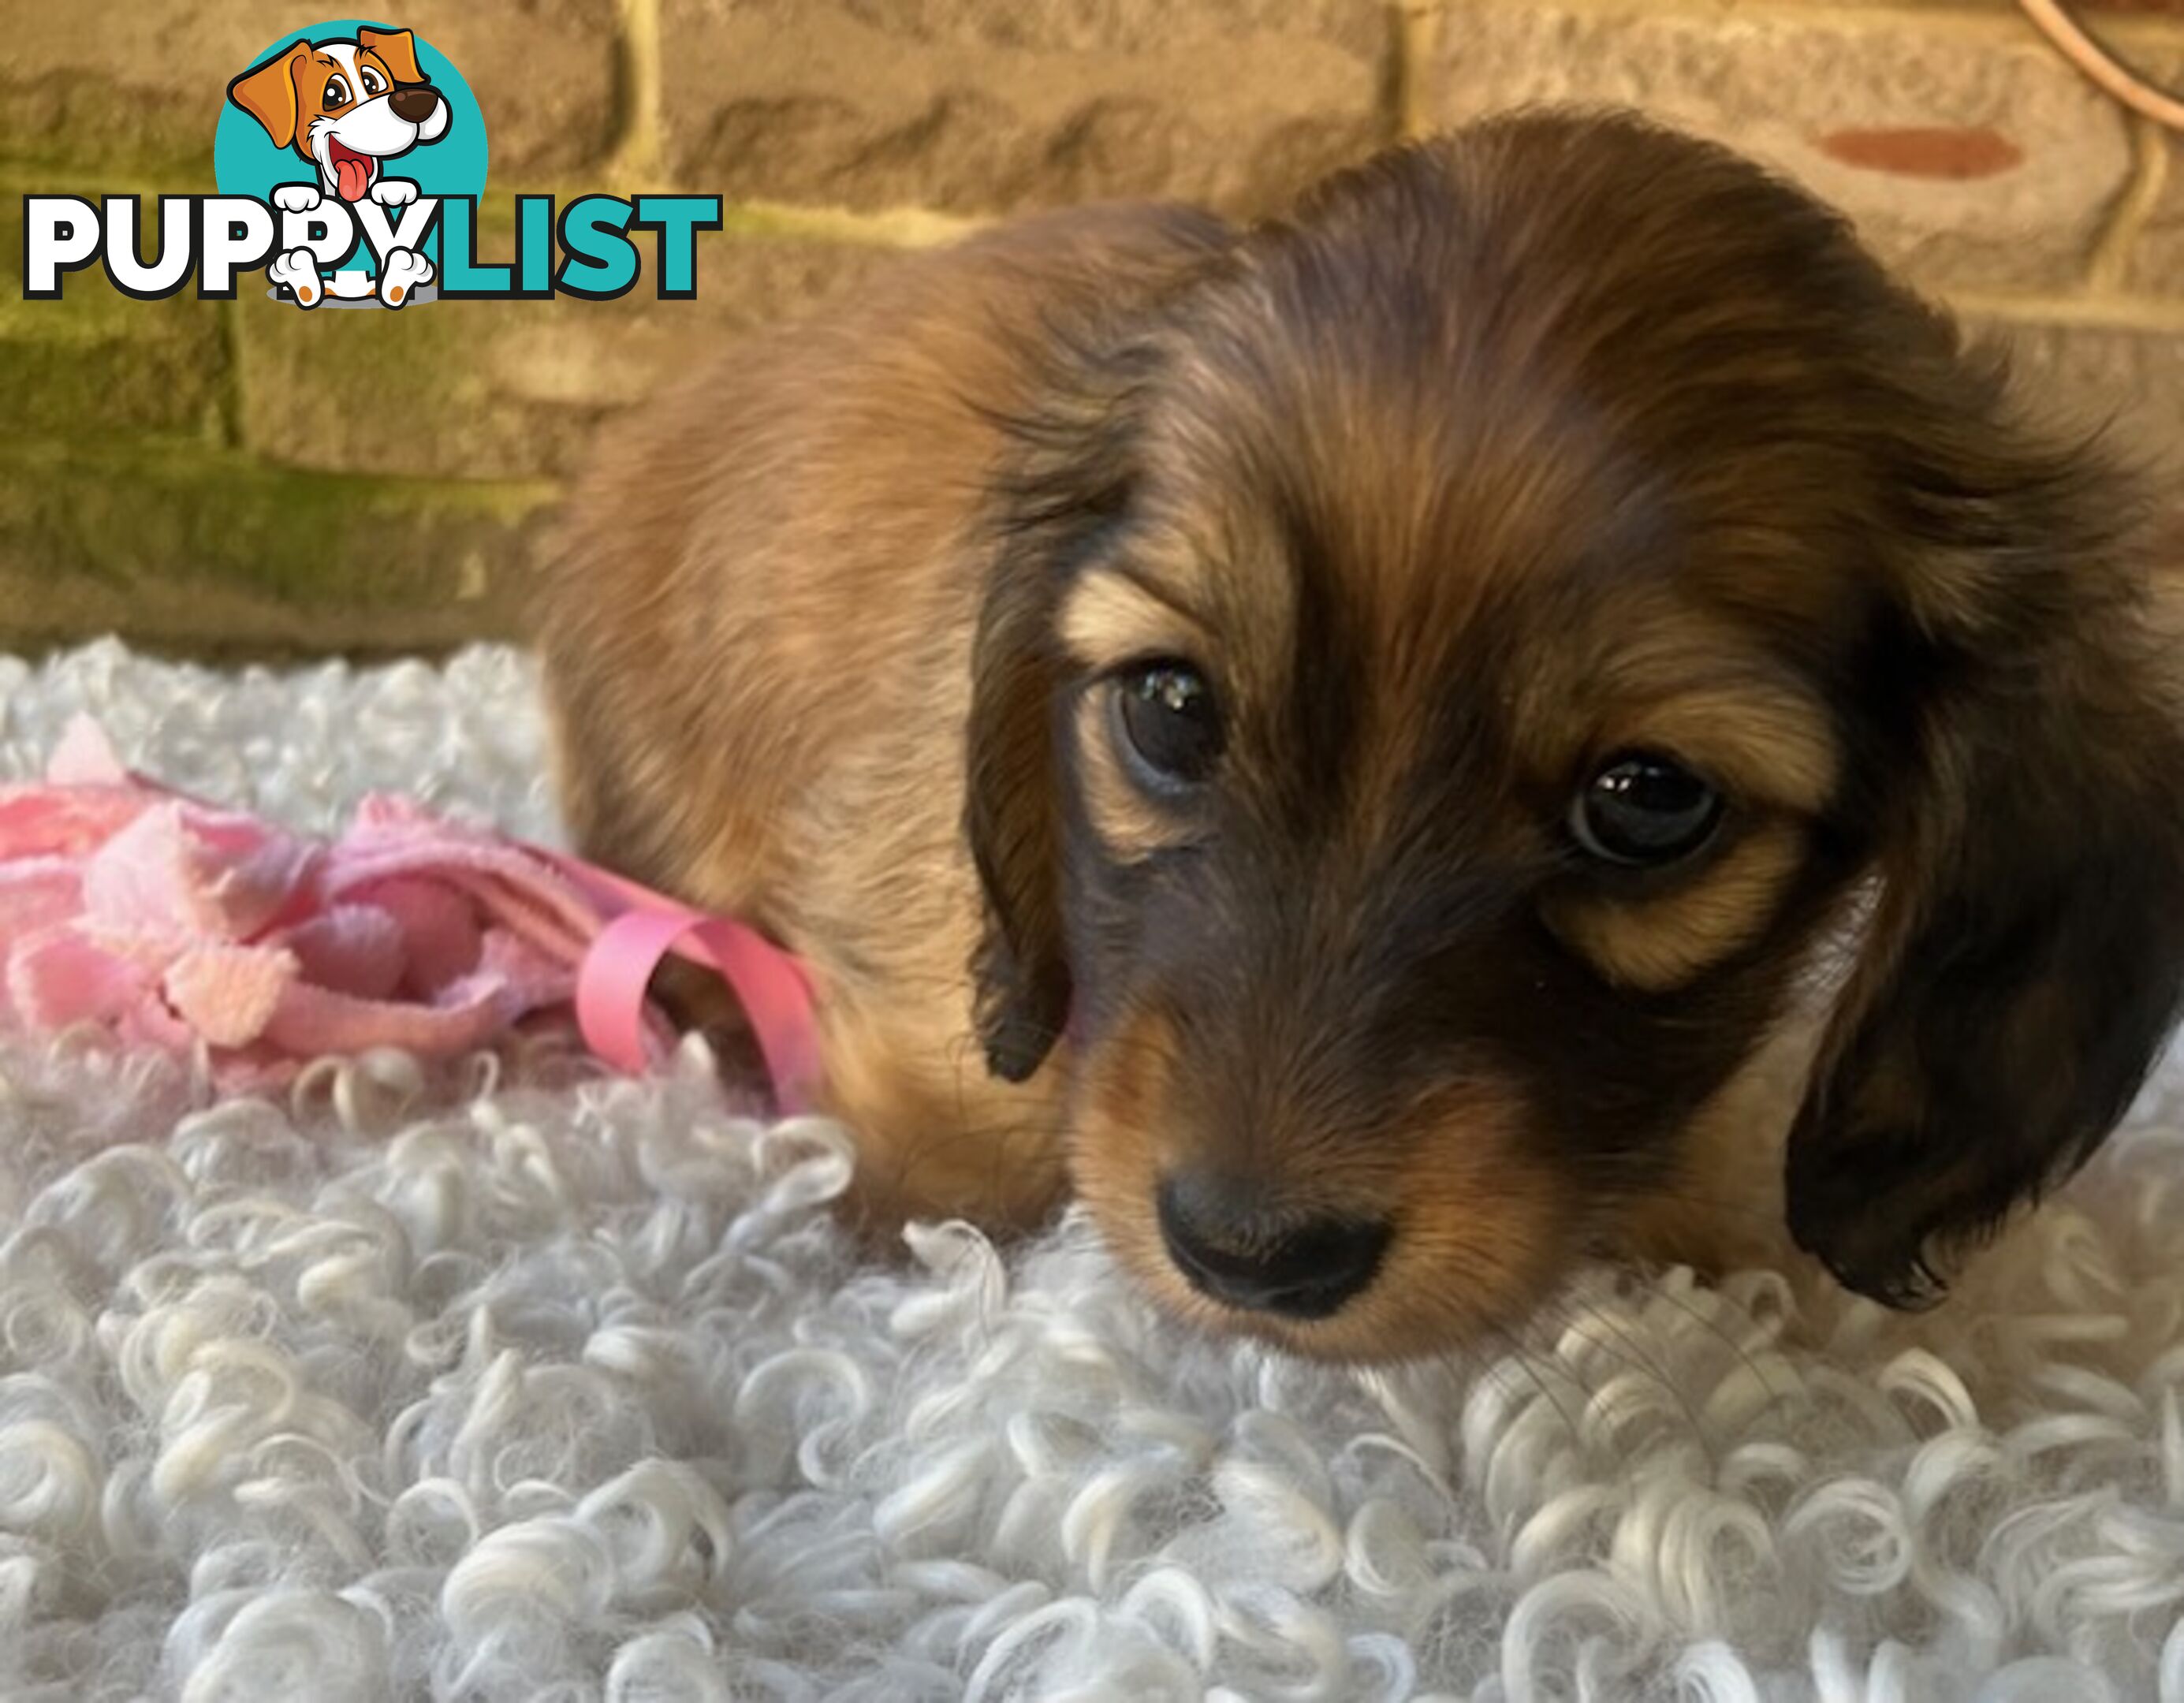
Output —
(637, 930)
(769, 983)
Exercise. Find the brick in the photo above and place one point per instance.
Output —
(2085, 377)
(1131, 26)
(1968, 151)
(106, 83)
(97, 361)
(214, 623)
(503, 389)
(544, 73)
(185, 546)
(979, 106)
(72, 385)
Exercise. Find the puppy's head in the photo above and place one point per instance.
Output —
(1451, 665)
(345, 105)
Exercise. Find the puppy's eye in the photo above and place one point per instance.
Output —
(336, 93)
(371, 79)
(1169, 725)
(1645, 810)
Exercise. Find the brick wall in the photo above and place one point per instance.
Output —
(239, 476)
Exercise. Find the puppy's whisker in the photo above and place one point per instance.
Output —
(1661, 1291)
(1516, 1353)
(1637, 1360)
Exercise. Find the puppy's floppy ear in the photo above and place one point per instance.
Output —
(2023, 964)
(1066, 477)
(268, 92)
(398, 47)
(1012, 817)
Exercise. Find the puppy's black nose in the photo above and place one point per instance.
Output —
(413, 102)
(1301, 1269)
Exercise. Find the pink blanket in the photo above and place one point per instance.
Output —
(172, 922)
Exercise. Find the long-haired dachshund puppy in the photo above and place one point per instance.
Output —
(1345, 741)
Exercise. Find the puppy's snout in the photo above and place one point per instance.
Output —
(1235, 1252)
(414, 103)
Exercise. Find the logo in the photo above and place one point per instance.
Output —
(350, 158)
(372, 122)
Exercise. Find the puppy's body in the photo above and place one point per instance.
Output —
(1409, 693)
(760, 640)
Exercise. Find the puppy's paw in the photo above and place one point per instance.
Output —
(296, 197)
(298, 269)
(394, 192)
(400, 273)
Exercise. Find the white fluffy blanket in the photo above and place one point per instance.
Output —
(520, 1383)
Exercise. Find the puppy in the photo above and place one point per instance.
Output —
(1352, 743)
(346, 106)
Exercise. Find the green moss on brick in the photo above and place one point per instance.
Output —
(73, 385)
(156, 524)
(76, 123)
(406, 392)
(95, 362)
(504, 389)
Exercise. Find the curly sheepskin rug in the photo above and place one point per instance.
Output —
(516, 1381)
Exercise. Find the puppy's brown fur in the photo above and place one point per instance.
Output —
(1561, 436)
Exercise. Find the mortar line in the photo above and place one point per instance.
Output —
(2134, 209)
(905, 226)
(231, 383)
(638, 158)
(2137, 32)
(2086, 312)
(1413, 44)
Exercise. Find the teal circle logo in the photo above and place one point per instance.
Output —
(341, 127)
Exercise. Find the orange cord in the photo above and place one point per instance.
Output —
(2054, 20)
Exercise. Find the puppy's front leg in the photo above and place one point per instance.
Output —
(696, 998)
(394, 192)
(937, 1137)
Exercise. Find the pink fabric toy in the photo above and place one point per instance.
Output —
(171, 920)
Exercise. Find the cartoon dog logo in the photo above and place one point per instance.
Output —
(346, 107)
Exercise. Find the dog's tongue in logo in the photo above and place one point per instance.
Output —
(352, 109)
(353, 171)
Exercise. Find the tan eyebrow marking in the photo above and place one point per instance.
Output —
(1689, 684)
(1762, 740)
(1114, 613)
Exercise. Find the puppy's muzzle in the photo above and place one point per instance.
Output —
(414, 103)
(1236, 1253)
